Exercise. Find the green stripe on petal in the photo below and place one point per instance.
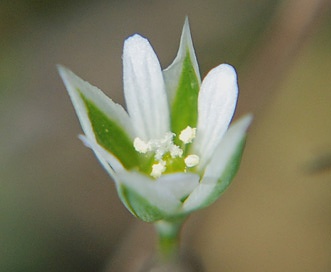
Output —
(111, 136)
(184, 108)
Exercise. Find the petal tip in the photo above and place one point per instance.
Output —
(227, 70)
(133, 38)
(135, 43)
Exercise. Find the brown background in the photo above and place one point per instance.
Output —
(58, 208)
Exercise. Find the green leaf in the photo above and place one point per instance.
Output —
(110, 135)
(184, 108)
(138, 205)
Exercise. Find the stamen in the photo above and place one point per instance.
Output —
(162, 148)
(141, 146)
(192, 160)
(187, 135)
(175, 151)
(158, 169)
(159, 146)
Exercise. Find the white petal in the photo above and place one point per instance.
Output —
(144, 89)
(76, 85)
(159, 196)
(218, 163)
(173, 72)
(180, 184)
(216, 105)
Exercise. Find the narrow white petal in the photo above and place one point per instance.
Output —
(216, 105)
(173, 71)
(144, 89)
(180, 184)
(218, 163)
(158, 196)
(76, 85)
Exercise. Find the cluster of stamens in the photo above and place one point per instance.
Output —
(165, 147)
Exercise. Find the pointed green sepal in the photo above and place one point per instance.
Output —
(102, 120)
(111, 136)
(146, 198)
(139, 206)
(227, 176)
(182, 79)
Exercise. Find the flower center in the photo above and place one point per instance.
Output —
(167, 156)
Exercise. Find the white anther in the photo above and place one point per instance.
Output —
(160, 147)
(192, 160)
(167, 139)
(159, 154)
(175, 151)
(141, 146)
(187, 135)
(158, 169)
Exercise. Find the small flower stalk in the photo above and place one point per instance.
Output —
(173, 151)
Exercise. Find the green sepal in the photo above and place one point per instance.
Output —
(110, 135)
(138, 205)
(184, 107)
(226, 178)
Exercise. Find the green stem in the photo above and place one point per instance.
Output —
(168, 239)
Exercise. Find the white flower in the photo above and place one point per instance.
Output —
(173, 152)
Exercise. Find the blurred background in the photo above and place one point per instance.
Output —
(59, 210)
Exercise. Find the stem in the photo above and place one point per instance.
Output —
(168, 239)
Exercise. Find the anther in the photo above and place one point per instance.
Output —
(158, 169)
(141, 146)
(192, 160)
(187, 135)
